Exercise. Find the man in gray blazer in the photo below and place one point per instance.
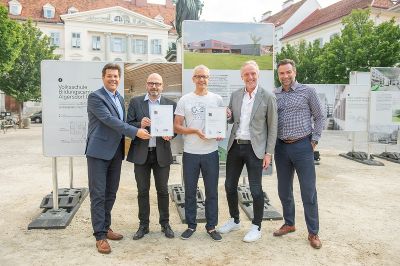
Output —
(105, 152)
(153, 154)
(253, 113)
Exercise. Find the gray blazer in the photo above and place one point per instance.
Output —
(138, 108)
(263, 120)
(105, 129)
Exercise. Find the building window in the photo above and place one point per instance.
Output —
(55, 39)
(76, 40)
(118, 19)
(118, 45)
(15, 8)
(139, 46)
(48, 11)
(96, 41)
(72, 10)
(156, 46)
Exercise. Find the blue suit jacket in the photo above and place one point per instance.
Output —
(105, 129)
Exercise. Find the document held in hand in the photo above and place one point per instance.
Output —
(161, 117)
(215, 122)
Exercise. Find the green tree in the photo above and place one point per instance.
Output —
(360, 46)
(186, 10)
(305, 56)
(10, 44)
(23, 80)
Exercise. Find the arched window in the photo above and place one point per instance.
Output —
(15, 8)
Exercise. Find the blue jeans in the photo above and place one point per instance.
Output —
(297, 156)
(209, 166)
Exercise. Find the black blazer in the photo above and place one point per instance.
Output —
(138, 108)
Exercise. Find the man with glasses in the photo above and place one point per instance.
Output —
(147, 155)
(200, 153)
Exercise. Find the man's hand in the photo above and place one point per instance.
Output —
(167, 138)
(201, 134)
(266, 160)
(228, 113)
(143, 134)
(146, 122)
(313, 144)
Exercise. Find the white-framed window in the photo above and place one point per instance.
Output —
(159, 18)
(48, 11)
(15, 8)
(118, 45)
(96, 43)
(118, 19)
(76, 40)
(55, 39)
(156, 46)
(139, 46)
(72, 10)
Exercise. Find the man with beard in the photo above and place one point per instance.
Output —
(150, 155)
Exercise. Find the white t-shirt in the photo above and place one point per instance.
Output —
(193, 108)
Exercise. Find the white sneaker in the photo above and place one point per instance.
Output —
(253, 235)
(229, 226)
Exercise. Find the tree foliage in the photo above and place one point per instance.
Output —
(360, 46)
(10, 41)
(305, 56)
(186, 10)
(22, 81)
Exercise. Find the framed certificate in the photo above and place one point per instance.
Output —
(161, 117)
(215, 124)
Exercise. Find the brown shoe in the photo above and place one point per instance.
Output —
(314, 241)
(285, 229)
(103, 246)
(113, 236)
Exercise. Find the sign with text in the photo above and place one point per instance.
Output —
(65, 87)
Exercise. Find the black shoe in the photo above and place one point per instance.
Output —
(188, 233)
(166, 229)
(214, 235)
(141, 232)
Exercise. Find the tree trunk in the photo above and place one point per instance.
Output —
(20, 109)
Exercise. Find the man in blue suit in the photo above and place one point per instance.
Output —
(105, 151)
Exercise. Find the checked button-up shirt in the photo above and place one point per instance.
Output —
(300, 113)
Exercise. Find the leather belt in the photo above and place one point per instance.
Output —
(152, 148)
(290, 141)
(243, 141)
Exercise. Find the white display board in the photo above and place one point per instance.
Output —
(356, 112)
(65, 87)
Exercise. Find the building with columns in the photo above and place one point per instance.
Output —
(136, 31)
(107, 30)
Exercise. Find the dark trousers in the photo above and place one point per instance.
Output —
(238, 156)
(104, 178)
(142, 176)
(208, 164)
(297, 156)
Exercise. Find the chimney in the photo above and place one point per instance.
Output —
(266, 15)
(287, 3)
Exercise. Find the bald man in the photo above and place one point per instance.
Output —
(152, 154)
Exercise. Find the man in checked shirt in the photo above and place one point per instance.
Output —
(300, 123)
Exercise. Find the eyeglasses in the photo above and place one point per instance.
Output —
(151, 84)
(201, 76)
